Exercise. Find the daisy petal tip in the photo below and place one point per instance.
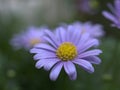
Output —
(99, 62)
(46, 68)
(100, 51)
(73, 77)
(91, 70)
(32, 50)
(52, 78)
(38, 65)
(36, 58)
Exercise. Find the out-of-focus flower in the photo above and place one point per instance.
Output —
(115, 15)
(27, 39)
(95, 30)
(66, 47)
(87, 6)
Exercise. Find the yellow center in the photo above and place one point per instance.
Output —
(66, 51)
(34, 41)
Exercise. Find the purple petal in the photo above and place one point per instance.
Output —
(85, 65)
(83, 39)
(55, 71)
(93, 59)
(34, 50)
(41, 52)
(73, 33)
(61, 33)
(51, 42)
(117, 7)
(88, 44)
(40, 64)
(45, 55)
(51, 38)
(116, 25)
(90, 53)
(37, 57)
(69, 33)
(45, 47)
(70, 70)
(50, 63)
(110, 16)
(111, 8)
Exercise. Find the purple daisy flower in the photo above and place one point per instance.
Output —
(27, 39)
(115, 15)
(95, 31)
(66, 47)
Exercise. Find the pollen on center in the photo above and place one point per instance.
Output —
(66, 51)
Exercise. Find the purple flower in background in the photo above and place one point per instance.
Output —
(95, 31)
(27, 39)
(67, 46)
(115, 15)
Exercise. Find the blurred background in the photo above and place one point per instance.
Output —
(17, 68)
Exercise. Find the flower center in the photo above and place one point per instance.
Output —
(34, 41)
(66, 51)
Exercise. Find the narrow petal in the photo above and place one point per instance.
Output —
(70, 31)
(70, 70)
(61, 33)
(41, 52)
(45, 47)
(93, 59)
(73, 33)
(56, 71)
(51, 42)
(117, 7)
(90, 53)
(44, 56)
(36, 57)
(34, 50)
(51, 38)
(88, 44)
(110, 16)
(40, 64)
(83, 39)
(50, 63)
(111, 8)
(87, 66)
(116, 25)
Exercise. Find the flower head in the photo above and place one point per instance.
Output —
(67, 46)
(95, 31)
(27, 39)
(115, 15)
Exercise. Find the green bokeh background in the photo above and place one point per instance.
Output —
(17, 68)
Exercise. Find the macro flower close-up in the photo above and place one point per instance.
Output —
(27, 39)
(114, 16)
(59, 44)
(65, 48)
